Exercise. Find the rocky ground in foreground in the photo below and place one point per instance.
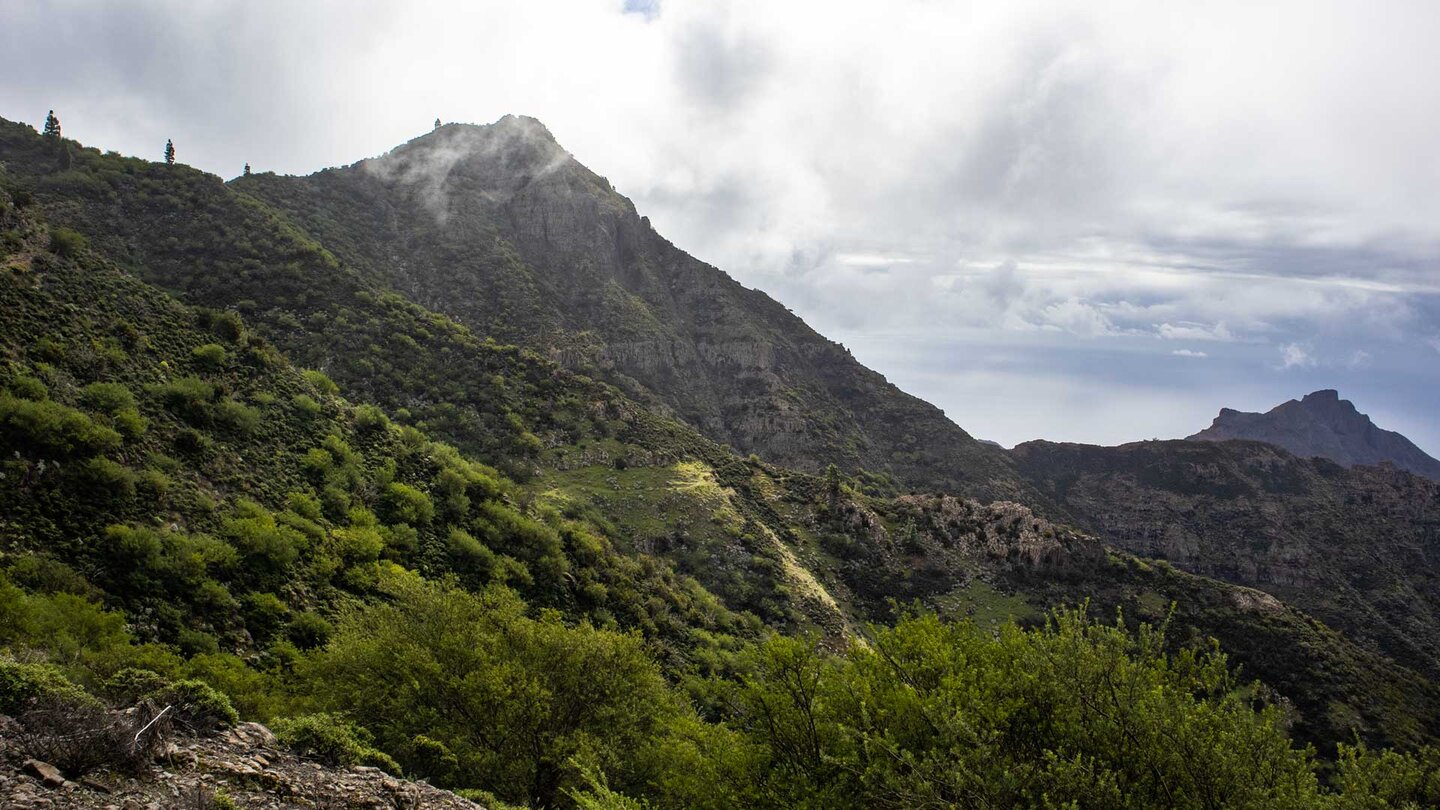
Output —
(241, 768)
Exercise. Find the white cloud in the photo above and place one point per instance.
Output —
(1194, 331)
(1188, 353)
(1293, 355)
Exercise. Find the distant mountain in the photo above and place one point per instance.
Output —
(1322, 424)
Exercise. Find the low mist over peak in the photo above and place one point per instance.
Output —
(1322, 424)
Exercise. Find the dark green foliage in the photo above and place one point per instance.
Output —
(309, 630)
(169, 152)
(52, 125)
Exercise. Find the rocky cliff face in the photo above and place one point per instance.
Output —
(1359, 548)
(500, 228)
(1322, 424)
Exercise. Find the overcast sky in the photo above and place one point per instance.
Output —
(1087, 221)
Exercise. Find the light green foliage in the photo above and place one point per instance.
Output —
(67, 243)
(1387, 780)
(512, 698)
(321, 383)
(26, 387)
(132, 684)
(331, 739)
(406, 504)
(188, 398)
(267, 548)
(22, 683)
(49, 429)
(236, 416)
(209, 355)
(370, 419)
(199, 706)
(1075, 713)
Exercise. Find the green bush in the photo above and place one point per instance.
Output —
(51, 429)
(309, 630)
(107, 398)
(265, 615)
(26, 387)
(237, 417)
(67, 243)
(305, 405)
(132, 684)
(321, 383)
(209, 355)
(103, 476)
(21, 684)
(406, 504)
(370, 419)
(188, 398)
(199, 706)
(331, 739)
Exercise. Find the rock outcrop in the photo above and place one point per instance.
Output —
(243, 764)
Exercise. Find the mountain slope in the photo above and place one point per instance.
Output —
(621, 516)
(500, 228)
(1359, 548)
(1322, 424)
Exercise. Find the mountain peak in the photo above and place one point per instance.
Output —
(1323, 424)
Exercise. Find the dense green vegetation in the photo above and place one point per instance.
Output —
(612, 612)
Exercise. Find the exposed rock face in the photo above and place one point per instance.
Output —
(1360, 548)
(1322, 424)
(500, 228)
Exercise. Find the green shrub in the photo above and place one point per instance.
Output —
(321, 383)
(209, 355)
(20, 684)
(51, 429)
(27, 387)
(132, 684)
(188, 398)
(309, 630)
(107, 398)
(333, 740)
(406, 504)
(103, 476)
(237, 417)
(199, 706)
(305, 405)
(370, 419)
(265, 615)
(67, 243)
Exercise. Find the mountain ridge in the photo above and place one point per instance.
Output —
(1322, 424)
(515, 238)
